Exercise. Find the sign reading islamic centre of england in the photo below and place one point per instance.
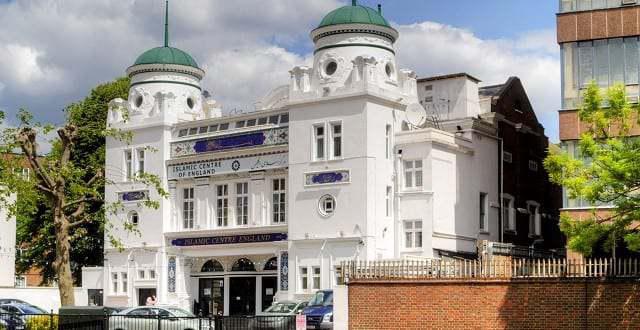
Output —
(225, 166)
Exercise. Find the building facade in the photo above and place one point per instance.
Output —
(341, 163)
(7, 249)
(598, 42)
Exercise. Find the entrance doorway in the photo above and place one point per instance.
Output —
(143, 294)
(269, 289)
(211, 297)
(242, 296)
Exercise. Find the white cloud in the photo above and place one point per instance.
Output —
(432, 48)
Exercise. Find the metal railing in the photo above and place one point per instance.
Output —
(434, 269)
(143, 322)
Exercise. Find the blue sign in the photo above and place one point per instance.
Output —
(234, 239)
(132, 196)
(231, 142)
(332, 177)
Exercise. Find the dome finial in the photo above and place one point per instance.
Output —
(166, 24)
(354, 2)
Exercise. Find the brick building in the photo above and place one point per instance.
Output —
(598, 42)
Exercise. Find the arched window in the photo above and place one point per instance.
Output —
(243, 265)
(272, 264)
(212, 266)
(133, 217)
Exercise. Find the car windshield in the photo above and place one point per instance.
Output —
(180, 312)
(322, 299)
(281, 308)
(28, 309)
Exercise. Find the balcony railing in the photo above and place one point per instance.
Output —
(433, 269)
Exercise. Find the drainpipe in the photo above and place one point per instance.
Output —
(500, 187)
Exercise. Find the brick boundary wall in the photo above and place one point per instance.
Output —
(495, 304)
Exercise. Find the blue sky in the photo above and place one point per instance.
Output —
(55, 51)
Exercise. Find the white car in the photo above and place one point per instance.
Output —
(148, 317)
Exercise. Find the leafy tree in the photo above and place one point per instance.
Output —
(35, 232)
(607, 171)
(72, 191)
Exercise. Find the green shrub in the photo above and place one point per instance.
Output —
(42, 322)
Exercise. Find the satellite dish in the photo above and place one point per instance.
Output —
(416, 115)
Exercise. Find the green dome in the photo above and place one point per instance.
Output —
(354, 15)
(166, 55)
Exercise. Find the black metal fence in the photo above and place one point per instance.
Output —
(131, 322)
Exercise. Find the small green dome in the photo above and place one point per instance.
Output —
(166, 55)
(354, 15)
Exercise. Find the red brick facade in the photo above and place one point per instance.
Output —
(598, 24)
(499, 304)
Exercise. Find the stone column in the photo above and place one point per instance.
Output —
(257, 199)
(173, 207)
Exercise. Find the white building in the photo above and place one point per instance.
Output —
(338, 164)
(7, 249)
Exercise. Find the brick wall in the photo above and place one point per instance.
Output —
(598, 24)
(495, 304)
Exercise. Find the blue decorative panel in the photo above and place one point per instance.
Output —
(330, 177)
(284, 271)
(171, 275)
(132, 196)
(268, 137)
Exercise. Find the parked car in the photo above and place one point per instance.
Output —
(24, 311)
(319, 311)
(4, 301)
(147, 317)
(10, 321)
(280, 315)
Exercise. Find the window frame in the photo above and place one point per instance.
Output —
(279, 216)
(128, 164)
(388, 201)
(483, 212)
(319, 141)
(535, 219)
(222, 205)
(412, 231)
(140, 160)
(413, 170)
(307, 277)
(388, 146)
(509, 222)
(333, 137)
(188, 207)
(242, 204)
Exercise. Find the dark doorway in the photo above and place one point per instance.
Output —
(143, 294)
(242, 296)
(269, 289)
(95, 297)
(211, 297)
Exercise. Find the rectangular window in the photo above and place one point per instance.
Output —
(128, 164)
(388, 200)
(114, 283)
(224, 127)
(182, 132)
(413, 234)
(125, 283)
(304, 278)
(533, 165)
(251, 122)
(585, 58)
(428, 99)
(508, 213)
(203, 129)
(188, 202)
(152, 274)
(316, 278)
(213, 128)
(262, 121)
(193, 131)
(631, 61)
(242, 203)
(387, 143)
(601, 62)
(507, 157)
(482, 216)
(336, 140)
(318, 137)
(273, 119)
(222, 205)
(279, 201)
(140, 155)
(534, 219)
(413, 173)
(141, 274)
(616, 61)
(240, 124)
(428, 87)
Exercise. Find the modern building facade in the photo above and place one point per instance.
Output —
(598, 42)
(341, 163)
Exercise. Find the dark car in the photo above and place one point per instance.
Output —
(4, 301)
(319, 311)
(280, 315)
(10, 321)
